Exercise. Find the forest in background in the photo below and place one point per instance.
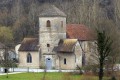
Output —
(21, 16)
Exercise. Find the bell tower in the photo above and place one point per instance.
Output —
(52, 28)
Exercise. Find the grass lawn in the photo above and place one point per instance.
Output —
(49, 76)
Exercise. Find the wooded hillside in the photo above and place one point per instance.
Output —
(22, 15)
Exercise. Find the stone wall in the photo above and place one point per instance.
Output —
(90, 50)
(70, 61)
(2, 53)
(78, 53)
(23, 60)
(51, 35)
(16, 50)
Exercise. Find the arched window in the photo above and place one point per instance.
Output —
(48, 24)
(29, 58)
(64, 60)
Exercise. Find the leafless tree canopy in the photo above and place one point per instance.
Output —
(23, 14)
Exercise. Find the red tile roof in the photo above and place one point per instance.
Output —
(80, 32)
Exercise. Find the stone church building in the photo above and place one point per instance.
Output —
(59, 46)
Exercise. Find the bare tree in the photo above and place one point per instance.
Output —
(6, 37)
(6, 61)
(104, 49)
(107, 44)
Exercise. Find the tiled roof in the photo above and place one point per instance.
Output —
(80, 32)
(50, 11)
(66, 45)
(29, 44)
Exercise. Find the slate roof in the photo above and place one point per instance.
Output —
(51, 11)
(80, 32)
(29, 44)
(66, 45)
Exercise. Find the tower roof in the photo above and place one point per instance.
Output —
(51, 11)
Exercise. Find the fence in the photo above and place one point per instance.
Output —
(116, 67)
(33, 70)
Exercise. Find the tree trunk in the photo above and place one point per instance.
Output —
(101, 73)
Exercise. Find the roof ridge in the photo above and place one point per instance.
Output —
(51, 10)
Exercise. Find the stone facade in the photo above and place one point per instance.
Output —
(23, 60)
(72, 59)
(51, 36)
(88, 50)
(2, 54)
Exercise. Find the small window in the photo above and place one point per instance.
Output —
(48, 24)
(61, 23)
(48, 45)
(48, 58)
(65, 61)
(29, 58)
(83, 59)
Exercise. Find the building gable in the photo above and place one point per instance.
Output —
(66, 45)
(29, 44)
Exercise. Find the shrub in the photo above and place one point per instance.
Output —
(81, 71)
(92, 69)
(113, 78)
(42, 67)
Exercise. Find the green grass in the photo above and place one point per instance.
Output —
(49, 76)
